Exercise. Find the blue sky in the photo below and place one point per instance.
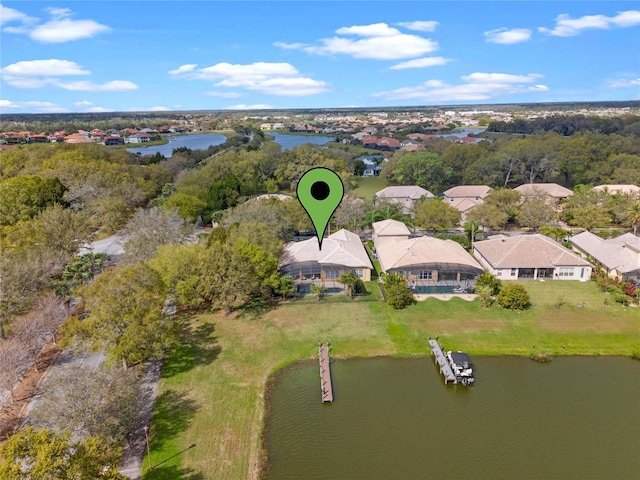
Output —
(163, 55)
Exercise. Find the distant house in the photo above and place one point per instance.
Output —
(342, 252)
(403, 196)
(113, 140)
(77, 138)
(530, 257)
(269, 196)
(477, 193)
(138, 138)
(429, 264)
(265, 126)
(554, 193)
(41, 138)
(619, 257)
(633, 190)
(389, 230)
(278, 126)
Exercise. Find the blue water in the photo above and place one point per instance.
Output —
(200, 141)
(287, 142)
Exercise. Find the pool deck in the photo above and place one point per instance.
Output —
(469, 297)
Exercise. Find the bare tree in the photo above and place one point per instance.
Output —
(52, 312)
(13, 362)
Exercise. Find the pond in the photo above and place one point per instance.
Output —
(199, 141)
(287, 142)
(572, 418)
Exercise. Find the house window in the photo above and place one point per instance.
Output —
(499, 272)
(565, 271)
(425, 275)
(359, 272)
(513, 272)
(331, 274)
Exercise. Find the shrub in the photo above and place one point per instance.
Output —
(487, 279)
(485, 294)
(514, 297)
(395, 290)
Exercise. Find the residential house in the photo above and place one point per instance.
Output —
(430, 265)
(389, 230)
(265, 126)
(40, 138)
(632, 190)
(465, 198)
(554, 193)
(619, 257)
(77, 138)
(404, 196)
(113, 140)
(530, 257)
(138, 138)
(342, 252)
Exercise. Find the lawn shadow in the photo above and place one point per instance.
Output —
(173, 414)
(198, 346)
(172, 472)
(255, 308)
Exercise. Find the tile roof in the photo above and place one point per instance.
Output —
(464, 204)
(527, 251)
(620, 253)
(340, 248)
(423, 250)
(612, 189)
(390, 227)
(551, 189)
(468, 191)
(414, 192)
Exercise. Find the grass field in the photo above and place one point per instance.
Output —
(368, 186)
(209, 413)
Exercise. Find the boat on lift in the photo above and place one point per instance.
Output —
(462, 367)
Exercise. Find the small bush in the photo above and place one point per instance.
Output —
(635, 354)
(395, 290)
(484, 292)
(487, 279)
(514, 297)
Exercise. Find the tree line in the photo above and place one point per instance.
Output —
(566, 125)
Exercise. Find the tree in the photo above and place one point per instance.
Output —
(488, 280)
(484, 292)
(506, 201)
(436, 214)
(589, 216)
(148, 229)
(352, 282)
(396, 292)
(286, 286)
(350, 212)
(41, 454)
(23, 197)
(557, 233)
(514, 297)
(189, 207)
(14, 361)
(422, 168)
(534, 212)
(634, 217)
(125, 318)
(99, 403)
(488, 215)
(318, 289)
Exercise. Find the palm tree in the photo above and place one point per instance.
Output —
(634, 217)
(318, 289)
(350, 279)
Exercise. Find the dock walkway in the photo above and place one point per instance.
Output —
(325, 373)
(441, 360)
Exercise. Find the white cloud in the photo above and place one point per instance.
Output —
(507, 36)
(8, 15)
(477, 86)
(625, 83)
(270, 78)
(43, 68)
(42, 107)
(183, 69)
(421, 63)
(569, 27)
(159, 109)
(290, 46)
(83, 103)
(419, 26)
(256, 106)
(379, 42)
(59, 29)
(112, 86)
(223, 94)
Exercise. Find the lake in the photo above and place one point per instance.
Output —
(287, 142)
(199, 141)
(572, 418)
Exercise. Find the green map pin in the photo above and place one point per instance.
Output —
(320, 191)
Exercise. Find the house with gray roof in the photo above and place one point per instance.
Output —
(429, 264)
(404, 196)
(530, 257)
(619, 257)
(342, 252)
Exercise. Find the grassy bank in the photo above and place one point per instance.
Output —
(208, 417)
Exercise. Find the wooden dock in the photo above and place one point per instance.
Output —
(441, 360)
(325, 373)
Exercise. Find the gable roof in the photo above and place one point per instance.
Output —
(527, 251)
(551, 189)
(468, 191)
(464, 204)
(618, 253)
(423, 251)
(390, 227)
(414, 192)
(340, 248)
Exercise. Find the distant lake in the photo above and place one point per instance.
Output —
(464, 132)
(200, 141)
(287, 142)
(574, 418)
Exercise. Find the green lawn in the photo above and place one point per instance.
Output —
(209, 414)
(368, 186)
